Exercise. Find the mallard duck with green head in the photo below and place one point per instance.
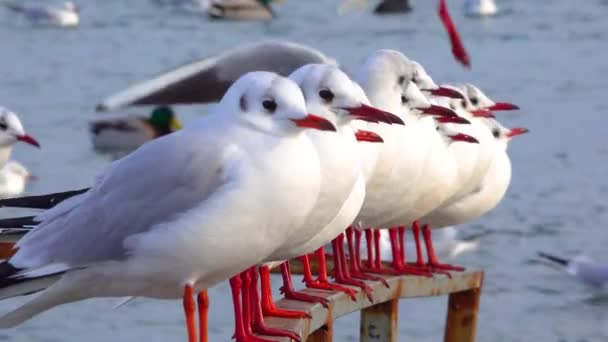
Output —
(130, 132)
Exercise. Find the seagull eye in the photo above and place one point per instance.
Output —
(401, 80)
(474, 101)
(403, 99)
(3, 126)
(270, 106)
(496, 133)
(326, 95)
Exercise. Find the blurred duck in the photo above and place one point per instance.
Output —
(241, 9)
(13, 179)
(480, 8)
(130, 132)
(393, 6)
(65, 15)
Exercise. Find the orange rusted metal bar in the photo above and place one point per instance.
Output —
(6, 250)
(323, 334)
(341, 305)
(461, 320)
(379, 322)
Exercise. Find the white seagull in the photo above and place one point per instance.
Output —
(222, 200)
(65, 16)
(13, 179)
(581, 267)
(11, 131)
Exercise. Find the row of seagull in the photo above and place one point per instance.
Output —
(295, 154)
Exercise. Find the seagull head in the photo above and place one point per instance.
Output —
(11, 130)
(426, 84)
(272, 104)
(330, 93)
(415, 103)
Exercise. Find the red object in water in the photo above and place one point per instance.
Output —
(458, 49)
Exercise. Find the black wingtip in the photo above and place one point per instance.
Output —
(557, 260)
(22, 222)
(7, 271)
(40, 201)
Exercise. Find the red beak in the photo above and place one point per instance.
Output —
(517, 131)
(438, 110)
(453, 119)
(464, 137)
(368, 136)
(482, 113)
(26, 138)
(371, 114)
(502, 106)
(446, 92)
(315, 122)
(458, 49)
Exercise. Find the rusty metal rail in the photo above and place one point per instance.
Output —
(379, 320)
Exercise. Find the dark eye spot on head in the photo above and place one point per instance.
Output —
(452, 106)
(401, 80)
(474, 101)
(270, 106)
(496, 133)
(243, 103)
(463, 103)
(403, 99)
(326, 94)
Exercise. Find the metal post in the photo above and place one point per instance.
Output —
(461, 322)
(323, 334)
(379, 322)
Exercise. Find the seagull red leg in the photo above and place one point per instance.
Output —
(268, 306)
(242, 333)
(203, 310)
(290, 293)
(434, 263)
(353, 251)
(369, 240)
(190, 312)
(340, 270)
(323, 283)
(258, 325)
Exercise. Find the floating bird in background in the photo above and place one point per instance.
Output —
(11, 131)
(171, 240)
(582, 267)
(13, 179)
(65, 16)
(241, 9)
(393, 6)
(480, 8)
(128, 133)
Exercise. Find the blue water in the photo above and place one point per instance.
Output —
(549, 57)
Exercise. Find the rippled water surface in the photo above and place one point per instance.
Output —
(550, 57)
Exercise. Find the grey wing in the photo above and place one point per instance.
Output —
(208, 79)
(154, 184)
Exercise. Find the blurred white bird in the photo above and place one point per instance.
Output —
(582, 267)
(66, 15)
(11, 131)
(13, 179)
(480, 8)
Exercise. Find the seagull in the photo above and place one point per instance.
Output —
(215, 74)
(333, 95)
(582, 267)
(128, 133)
(193, 228)
(13, 179)
(480, 8)
(65, 16)
(486, 196)
(11, 131)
